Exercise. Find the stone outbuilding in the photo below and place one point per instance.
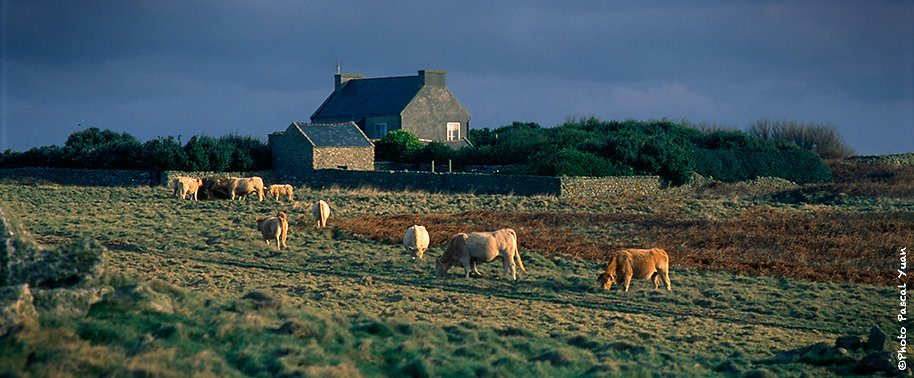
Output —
(420, 104)
(304, 147)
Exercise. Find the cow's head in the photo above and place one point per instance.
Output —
(415, 252)
(260, 223)
(606, 280)
(455, 247)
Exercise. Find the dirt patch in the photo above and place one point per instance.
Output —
(820, 245)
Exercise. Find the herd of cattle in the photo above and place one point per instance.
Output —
(462, 249)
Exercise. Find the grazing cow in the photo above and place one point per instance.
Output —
(187, 185)
(416, 241)
(321, 211)
(637, 263)
(274, 228)
(244, 186)
(213, 187)
(219, 187)
(277, 191)
(466, 250)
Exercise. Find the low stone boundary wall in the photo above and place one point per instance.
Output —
(480, 183)
(81, 177)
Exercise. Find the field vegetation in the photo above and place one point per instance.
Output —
(758, 271)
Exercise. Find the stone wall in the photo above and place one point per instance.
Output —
(352, 158)
(81, 177)
(458, 182)
(607, 186)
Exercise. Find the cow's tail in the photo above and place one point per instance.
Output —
(520, 263)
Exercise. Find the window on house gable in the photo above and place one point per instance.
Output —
(453, 131)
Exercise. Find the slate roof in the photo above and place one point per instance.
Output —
(346, 134)
(370, 97)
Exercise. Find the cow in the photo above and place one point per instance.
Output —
(244, 186)
(321, 211)
(466, 249)
(637, 263)
(416, 241)
(277, 191)
(187, 185)
(216, 187)
(274, 228)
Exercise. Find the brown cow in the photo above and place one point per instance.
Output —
(466, 250)
(637, 263)
(277, 191)
(275, 228)
(187, 185)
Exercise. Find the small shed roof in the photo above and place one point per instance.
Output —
(345, 134)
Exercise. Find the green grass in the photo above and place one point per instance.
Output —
(199, 292)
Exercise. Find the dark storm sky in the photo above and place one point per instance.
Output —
(154, 68)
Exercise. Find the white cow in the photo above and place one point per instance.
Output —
(466, 250)
(416, 241)
(321, 211)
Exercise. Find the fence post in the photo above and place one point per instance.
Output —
(433, 166)
(450, 166)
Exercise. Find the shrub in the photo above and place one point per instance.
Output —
(823, 140)
(397, 145)
(572, 162)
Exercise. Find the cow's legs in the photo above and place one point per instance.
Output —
(473, 264)
(666, 279)
(510, 268)
(626, 282)
(467, 262)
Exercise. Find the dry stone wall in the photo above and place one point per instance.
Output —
(458, 182)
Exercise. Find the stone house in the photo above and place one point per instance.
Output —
(305, 147)
(421, 104)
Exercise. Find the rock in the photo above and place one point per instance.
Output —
(84, 261)
(848, 342)
(140, 296)
(17, 308)
(876, 341)
(70, 301)
(877, 362)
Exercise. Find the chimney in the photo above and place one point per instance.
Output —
(341, 79)
(434, 78)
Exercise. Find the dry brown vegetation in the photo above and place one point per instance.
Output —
(820, 245)
(873, 179)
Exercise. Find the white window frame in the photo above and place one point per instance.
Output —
(453, 131)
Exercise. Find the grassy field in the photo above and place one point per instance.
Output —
(195, 290)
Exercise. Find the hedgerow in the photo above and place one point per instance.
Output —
(105, 149)
(593, 147)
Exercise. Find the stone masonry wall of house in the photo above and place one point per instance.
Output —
(353, 158)
(383, 180)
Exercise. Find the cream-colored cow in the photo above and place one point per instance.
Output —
(624, 265)
(279, 190)
(187, 185)
(416, 241)
(274, 228)
(467, 249)
(321, 211)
